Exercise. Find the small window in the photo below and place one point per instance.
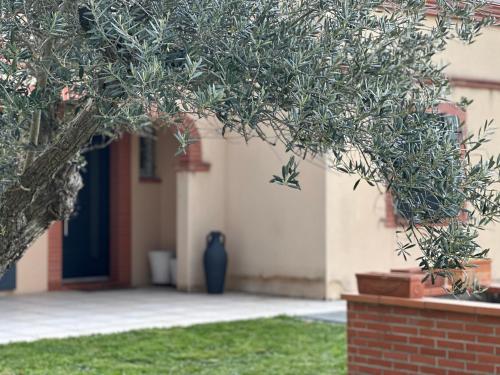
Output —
(450, 132)
(397, 212)
(147, 151)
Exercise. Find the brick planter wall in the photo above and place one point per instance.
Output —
(390, 335)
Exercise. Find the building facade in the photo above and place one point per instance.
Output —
(308, 243)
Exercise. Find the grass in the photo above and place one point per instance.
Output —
(282, 346)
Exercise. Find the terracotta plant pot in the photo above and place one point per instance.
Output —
(430, 289)
(404, 285)
(481, 272)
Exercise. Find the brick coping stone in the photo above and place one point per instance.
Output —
(429, 303)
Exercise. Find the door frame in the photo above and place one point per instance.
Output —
(120, 227)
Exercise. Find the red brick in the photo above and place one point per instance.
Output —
(488, 358)
(406, 366)
(447, 343)
(394, 372)
(55, 256)
(405, 348)
(432, 370)
(366, 316)
(192, 160)
(480, 367)
(457, 326)
(421, 322)
(480, 348)
(352, 315)
(422, 359)
(452, 364)
(360, 341)
(353, 369)
(352, 359)
(380, 309)
(406, 311)
(367, 334)
(121, 211)
(380, 362)
(374, 361)
(461, 317)
(479, 328)
(399, 319)
(353, 306)
(433, 314)
(396, 356)
(355, 324)
(495, 320)
(353, 332)
(489, 339)
(433, 352)
(395, 338)
(370, 352)
(366, 370)
(464, 356)
(451, 344)
(461, 336)
(404, 329)
(421, 341)
(432, 333)
(378, 327)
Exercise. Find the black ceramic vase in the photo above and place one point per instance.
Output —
(215, 262)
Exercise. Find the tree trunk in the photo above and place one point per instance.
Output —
(46, 191)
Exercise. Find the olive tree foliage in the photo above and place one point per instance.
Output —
(351, 80)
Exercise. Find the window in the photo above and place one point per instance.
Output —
(147, 154)
(397, 213)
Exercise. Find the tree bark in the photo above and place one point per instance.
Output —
(47, 189)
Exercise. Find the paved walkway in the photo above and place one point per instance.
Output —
(65, 314)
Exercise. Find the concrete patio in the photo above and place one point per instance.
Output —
(78, 313)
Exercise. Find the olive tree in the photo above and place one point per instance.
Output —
(352, 80)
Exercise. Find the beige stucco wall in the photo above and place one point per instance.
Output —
(153, 207)
(486, 106)
(201, 198)
(480, 60)
(167, 173)
(32, 269)
(276, 235)
(358, 239)
(146, 220)
(177, 212)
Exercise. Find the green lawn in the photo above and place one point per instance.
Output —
(268, 346)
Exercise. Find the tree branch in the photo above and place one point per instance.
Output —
(34, 134)
(47, 189)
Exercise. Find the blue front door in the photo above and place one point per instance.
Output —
(8, 280)
(86, 234)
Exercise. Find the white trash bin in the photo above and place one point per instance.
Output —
(159, 262)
